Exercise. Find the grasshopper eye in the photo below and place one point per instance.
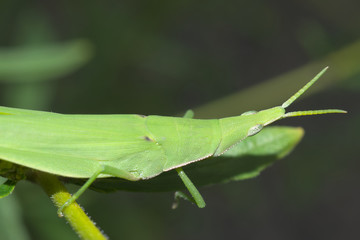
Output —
(249, 113)
(255, 129)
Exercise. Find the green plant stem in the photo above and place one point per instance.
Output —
(73, 213)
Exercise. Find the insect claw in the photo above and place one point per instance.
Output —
(61, 209)
(60, 212)
(177, 196)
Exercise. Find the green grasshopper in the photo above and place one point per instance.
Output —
(128, 146)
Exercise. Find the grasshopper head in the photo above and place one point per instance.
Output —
(236, 129)
(268, 116)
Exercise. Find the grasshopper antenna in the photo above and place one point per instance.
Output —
(299, 93)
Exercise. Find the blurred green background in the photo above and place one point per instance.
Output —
(218, 57)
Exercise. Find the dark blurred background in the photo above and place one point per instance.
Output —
(163, 57)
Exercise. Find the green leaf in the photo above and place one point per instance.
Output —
(7, 188)
(245, 160)
(38, 63)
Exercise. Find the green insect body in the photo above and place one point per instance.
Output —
(142, 147)
(131, 147)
